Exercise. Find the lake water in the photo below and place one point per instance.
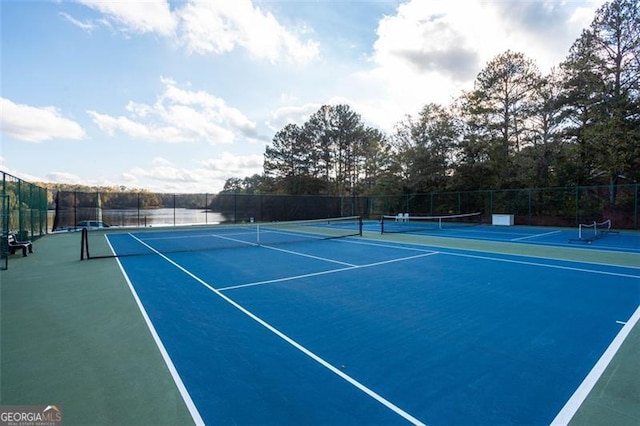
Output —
(142, 218)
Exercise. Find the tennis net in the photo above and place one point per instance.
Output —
(136, 242)
(406, 223)
(589, 232)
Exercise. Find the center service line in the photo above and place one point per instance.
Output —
(292, 342)
(315, 274)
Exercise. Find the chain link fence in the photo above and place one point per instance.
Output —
(566, 206)
(23, 212)
(30, 211)
(74, 209)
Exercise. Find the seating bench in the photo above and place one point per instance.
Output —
(14, 244)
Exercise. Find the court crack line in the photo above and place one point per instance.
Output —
(292, 342)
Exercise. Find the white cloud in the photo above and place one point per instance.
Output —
(6, 168)
(83, 25)
(180, 115)
(219, 27)
(229, 165)
(166, 173)
(36, 124)
(426, 37)
(209, 27)
(159, 161)
(140, 16)
(297, 114)
(206, 176)
(430, 51)
(64, 177)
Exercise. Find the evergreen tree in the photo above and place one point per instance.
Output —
(498, 116)
(602, 94)
(426, 148)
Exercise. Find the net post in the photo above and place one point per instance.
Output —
(360, 226)
(382, 224)
(86, 243)
(258, 233)
(84, 246)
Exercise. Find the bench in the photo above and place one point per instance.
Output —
(14, 244)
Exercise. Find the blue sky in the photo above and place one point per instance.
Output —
(178, 96)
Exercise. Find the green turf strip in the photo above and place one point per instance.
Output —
(73, 336)
(578, 254)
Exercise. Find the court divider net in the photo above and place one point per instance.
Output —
(404, 223)
(146, 241)
(588, 232)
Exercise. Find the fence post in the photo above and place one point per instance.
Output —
(577, 205)
(635, 206)
(490, 202)
(138, 210)
(75, 209)
(529, 191)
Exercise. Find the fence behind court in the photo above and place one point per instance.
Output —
(23, 212)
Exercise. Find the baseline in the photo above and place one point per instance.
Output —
(573, 404)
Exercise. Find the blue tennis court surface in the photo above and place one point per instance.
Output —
(364, 331)
(626, 241)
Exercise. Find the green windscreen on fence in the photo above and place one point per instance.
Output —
(4, 228)
(24, 212)
(26, 209)
(564, 206)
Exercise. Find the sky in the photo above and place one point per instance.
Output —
(179, 96)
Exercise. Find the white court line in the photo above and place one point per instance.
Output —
(395, 246)
(292, 342)
(543, 265)
(571, 407)
(198, 235)
(193, 410)
(444, 250)
(279, 280)
(308, 255)
(246, 243)
(535, 236)
(333, 271)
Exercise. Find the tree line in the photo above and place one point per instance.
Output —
(517, 128)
